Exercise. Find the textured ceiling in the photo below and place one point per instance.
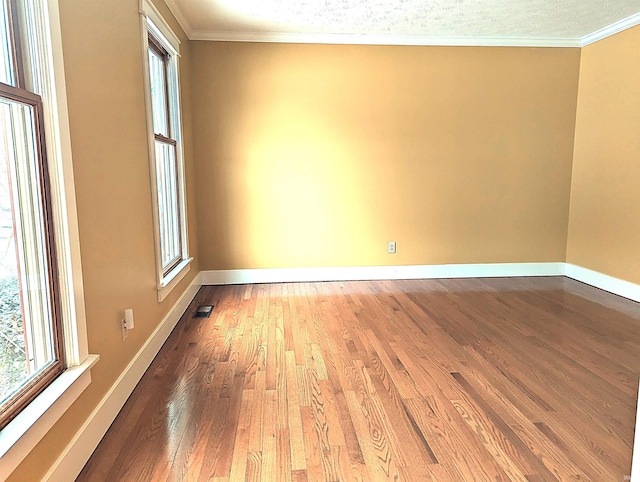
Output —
(534, 22)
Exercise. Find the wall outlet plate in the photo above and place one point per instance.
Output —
(391, 247)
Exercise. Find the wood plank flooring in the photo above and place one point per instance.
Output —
(522, 379)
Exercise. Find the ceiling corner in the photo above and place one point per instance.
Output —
(180, 17)
(610, 30)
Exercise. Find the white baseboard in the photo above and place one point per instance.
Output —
(635, 461)
(362, 273)
(77, 453)
(603, 281)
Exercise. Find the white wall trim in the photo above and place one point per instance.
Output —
(359, 273)
(180, 17)
(77, 453)
(149, 10)
(610, 30)
(353, 39)
(173, 278)
(24, 432)
(604, 282)
(635, 462)
(53, 89)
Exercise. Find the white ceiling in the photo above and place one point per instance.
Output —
(411, 22)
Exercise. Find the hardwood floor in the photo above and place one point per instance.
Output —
(525, 379)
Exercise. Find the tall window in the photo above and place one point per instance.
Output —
(166, 154)
(31, 350)
(167, 180)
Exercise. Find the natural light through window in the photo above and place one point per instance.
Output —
(167, 175)
(31, 349)
(166, 149)
(44, 359)
(29, 342)
(6, 69)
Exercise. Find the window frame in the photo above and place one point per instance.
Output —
(152, 24)
(43, 60)
(47, 375)
(156, 47)
(15, 45)
(160, 51)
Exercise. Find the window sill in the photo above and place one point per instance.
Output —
(25, 431)
(171, 280)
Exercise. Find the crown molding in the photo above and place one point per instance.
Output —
(180, 17)
(351, 39)
(610, 30)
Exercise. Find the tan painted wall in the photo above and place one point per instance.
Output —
(103, 62)
(604, 228)
(317, 155)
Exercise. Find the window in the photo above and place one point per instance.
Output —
(31, 350)
(165, 151)
(167, 181)
(44, 359)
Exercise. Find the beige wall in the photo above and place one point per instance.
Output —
(604, 228)
(103, 62)
(317, 155)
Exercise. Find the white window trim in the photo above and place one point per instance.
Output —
(24, 432)
(173, 278)
(152, 22)
(29, 427)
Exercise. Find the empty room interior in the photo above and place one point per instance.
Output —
(417, 224)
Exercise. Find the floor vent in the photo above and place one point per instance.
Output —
(203, 311)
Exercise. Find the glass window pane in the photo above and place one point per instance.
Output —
(26, 318)
(6, 58)
(168, 203)
(157, 73)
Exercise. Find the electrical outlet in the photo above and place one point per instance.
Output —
(391, 247)
(127, 323)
